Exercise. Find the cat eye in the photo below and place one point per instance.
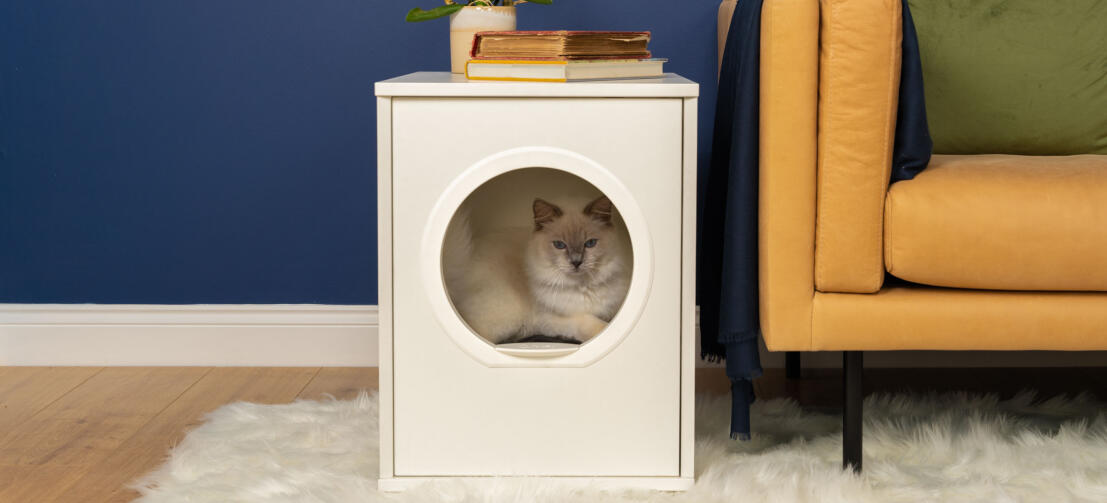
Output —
(590, 243)
(560, 245)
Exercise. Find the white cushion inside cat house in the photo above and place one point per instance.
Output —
(536, 261)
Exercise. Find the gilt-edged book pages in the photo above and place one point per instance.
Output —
(560, 45)
(562, 70)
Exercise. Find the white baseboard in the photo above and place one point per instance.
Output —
(207, 335)
(317, 335)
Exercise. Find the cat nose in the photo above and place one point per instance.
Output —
(576, 263)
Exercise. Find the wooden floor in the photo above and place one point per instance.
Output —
(80, 434)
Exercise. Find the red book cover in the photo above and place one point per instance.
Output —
(563, 33)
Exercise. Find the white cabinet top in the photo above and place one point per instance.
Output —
(670, 85)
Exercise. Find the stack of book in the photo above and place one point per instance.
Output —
(560, 56)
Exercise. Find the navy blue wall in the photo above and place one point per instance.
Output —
(223, 151)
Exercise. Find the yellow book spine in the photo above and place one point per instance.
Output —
(514, 62)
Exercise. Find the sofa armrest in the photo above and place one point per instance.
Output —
(726, 11)
(859, 62)
(789, 94)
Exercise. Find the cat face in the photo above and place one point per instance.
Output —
(576, 245)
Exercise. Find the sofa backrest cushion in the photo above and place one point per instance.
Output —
(1014, 76)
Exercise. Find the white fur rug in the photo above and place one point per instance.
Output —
(919, 448)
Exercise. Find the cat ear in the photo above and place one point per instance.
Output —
(544, 213)
(600, 210)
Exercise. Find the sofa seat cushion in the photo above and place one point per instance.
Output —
(1001, 222)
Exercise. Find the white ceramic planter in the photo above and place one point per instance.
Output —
(467, 22)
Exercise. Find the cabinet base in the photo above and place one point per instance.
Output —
(398, 484)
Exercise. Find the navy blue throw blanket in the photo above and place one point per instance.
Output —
(728, 292)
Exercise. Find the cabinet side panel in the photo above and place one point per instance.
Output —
(688, 294)
(384, 275)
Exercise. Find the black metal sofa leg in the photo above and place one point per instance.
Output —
(852, 396)
(792, 368)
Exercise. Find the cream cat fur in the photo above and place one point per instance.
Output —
(565, 277)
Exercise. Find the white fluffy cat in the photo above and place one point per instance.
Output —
(565, 278)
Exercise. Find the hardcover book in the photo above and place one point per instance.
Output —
(560, 45)
(562, 70)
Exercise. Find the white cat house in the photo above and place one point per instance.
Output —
(614, 410)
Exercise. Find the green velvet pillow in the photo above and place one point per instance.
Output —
(1014, 76)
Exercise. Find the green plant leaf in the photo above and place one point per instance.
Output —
(543, 2)
(416, 15)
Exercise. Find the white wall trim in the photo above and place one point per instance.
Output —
(208, 335)
(195, 314)
(318, 335)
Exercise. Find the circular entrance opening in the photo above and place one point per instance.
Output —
(537, 261)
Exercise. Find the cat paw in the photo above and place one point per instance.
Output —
(591, 326)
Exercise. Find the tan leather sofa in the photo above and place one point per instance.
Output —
(999, 252)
